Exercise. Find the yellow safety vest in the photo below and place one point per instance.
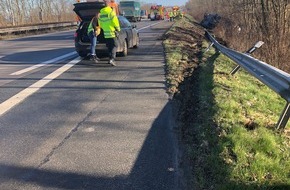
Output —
(109, 22)
(97, 29)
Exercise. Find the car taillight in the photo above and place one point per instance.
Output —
(76, 35)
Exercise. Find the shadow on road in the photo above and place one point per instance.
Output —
(34, 57)
(154, 168)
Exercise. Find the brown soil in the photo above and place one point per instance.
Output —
(186, 97)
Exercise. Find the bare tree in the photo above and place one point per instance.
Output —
(7, 8)
(266, 20)
(19, 12)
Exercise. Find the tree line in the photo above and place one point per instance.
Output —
(245, 22)
(22, 12)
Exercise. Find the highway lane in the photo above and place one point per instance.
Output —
(20, 56)
(92, 127)
(22, 53)
(36, 49)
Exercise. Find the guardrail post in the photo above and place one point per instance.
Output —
(284, 117)
(208, 47)
(250, 51)
(277, 80)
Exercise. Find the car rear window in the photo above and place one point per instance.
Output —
(124, 22)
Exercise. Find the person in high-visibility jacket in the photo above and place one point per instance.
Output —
(108, 21)
(93, 31)
(114, 6)
(171, 16)
(182, 14)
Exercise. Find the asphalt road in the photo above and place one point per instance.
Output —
(68, 123)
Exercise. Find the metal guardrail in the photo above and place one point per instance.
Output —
(276, 79)
(4, 31)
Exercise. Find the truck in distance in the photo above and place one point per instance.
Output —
(131, 10)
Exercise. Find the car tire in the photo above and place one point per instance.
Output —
(137, 43)
(125, 49)
(82, 54)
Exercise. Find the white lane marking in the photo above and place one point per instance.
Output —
(55, 60)
(150, 25)
(21, 96)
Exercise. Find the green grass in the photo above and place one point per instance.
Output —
(231, 139)
(248, 112)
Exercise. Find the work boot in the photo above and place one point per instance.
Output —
(94, 58)
(112, 62)
(91, 58)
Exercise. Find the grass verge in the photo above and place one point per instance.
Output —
(226, 122)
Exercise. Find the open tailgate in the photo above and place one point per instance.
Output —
(87, 10)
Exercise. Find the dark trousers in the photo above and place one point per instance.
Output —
(112, 47)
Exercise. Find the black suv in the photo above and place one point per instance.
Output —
(128, 37)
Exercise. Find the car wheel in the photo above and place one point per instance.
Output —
(82, 54)
(125, 49)
(137, 42)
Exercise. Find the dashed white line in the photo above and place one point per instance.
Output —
(21, 96)
(55, 60)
